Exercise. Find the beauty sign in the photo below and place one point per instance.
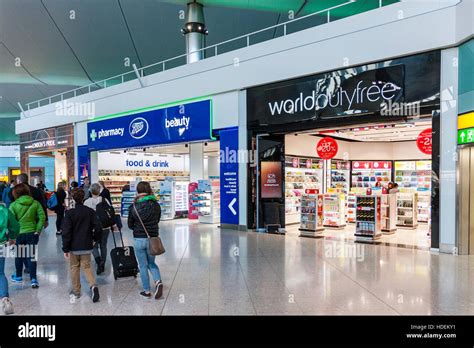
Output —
(425, 141)
(327, 148)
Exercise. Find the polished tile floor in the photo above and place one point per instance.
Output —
(207, 271)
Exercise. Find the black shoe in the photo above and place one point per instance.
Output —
(146, 295)
(58, 233)
(95, 294)
(159, 290)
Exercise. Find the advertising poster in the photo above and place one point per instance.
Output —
(271, 184)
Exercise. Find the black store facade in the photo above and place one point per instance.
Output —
(345, 98)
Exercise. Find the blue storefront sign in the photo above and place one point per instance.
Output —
(229, 170)
(175, 124)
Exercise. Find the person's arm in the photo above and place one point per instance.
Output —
(131, 218)
(66, 229)
(13, 226)
(41, 217)
(158, 211)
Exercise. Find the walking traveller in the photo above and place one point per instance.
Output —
(9, 230)
(81, 228)
(147, 209)
(30, 214)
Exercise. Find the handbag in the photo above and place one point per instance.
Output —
(155, 245)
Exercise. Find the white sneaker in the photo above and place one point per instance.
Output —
(7, 306)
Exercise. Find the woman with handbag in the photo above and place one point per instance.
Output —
(143, 218)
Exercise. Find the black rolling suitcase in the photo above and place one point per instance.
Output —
(124, 262)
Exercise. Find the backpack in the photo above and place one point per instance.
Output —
(106, 214)
(52, 201)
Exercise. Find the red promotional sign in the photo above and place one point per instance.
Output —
(361, 165)
(382, 165)
(327, 148)
(311, 191)
(425, 141)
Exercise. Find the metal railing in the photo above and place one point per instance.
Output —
(181, 59)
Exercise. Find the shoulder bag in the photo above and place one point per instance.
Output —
(155, 247)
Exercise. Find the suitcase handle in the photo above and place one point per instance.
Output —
(121, 237)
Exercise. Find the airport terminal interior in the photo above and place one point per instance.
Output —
(293, 157)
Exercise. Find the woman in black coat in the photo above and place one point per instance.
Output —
(143, 218)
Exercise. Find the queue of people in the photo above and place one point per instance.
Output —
(84, 222)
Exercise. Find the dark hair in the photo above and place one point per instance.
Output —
(21, 190)
(22, 178)
(12, 181)
(74, 184)
(144, 187)
(78, 195)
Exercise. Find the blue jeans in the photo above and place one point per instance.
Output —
(146, 262)
(29, 240)
(3, 279)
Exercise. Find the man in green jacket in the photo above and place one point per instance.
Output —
(31, 216)
(9, 230)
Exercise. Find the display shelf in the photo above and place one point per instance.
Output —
(181, 196)
(340, 175)
(300, 174)
(205, 201)
(166, 199)
(407, 210)
(334, 210)
(388, 212)
(351, 208)
(115, 186)
(368, 173)
(424, 206)
(126, 200)
(312, 215)
(368, 218)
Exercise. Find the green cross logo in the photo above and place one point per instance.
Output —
(93, 135)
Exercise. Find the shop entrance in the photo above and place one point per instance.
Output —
(184, 177)
(376, 188)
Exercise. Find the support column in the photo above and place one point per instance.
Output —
(70, 162)
(196, 162)
(448, 154)
(25, 162)
(244, 165)
(194, 32)
(94, 167)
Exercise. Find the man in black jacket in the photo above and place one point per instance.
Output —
(81, 228)
(35, 193)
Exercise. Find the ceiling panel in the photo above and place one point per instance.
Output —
(28, 32)
(156, 29)
(98, 35)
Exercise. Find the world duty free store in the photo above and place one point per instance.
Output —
(176, 149)
(332, 146)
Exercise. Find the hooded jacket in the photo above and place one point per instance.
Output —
(29, 213)
(9, 227)
(150, 213)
